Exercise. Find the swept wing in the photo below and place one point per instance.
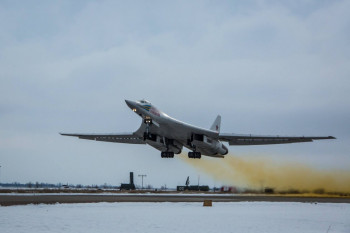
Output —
(130, 138)
(248, 139)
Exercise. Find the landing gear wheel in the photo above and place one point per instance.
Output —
(167, 154)
(146, 136)
(194, 155)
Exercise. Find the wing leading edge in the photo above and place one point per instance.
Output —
(240, 139)
(130, 138)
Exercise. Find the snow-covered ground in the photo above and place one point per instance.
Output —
(177, 217)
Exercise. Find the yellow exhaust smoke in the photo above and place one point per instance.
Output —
(258, 172)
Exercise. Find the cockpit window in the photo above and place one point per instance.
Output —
(144, 102)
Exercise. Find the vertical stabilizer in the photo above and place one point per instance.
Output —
(216, 125)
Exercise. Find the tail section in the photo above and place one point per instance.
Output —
(216, 125)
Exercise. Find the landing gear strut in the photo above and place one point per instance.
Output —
(147, 134)
(194, 155)
(167, 154)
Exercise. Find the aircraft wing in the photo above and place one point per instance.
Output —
(248, 139)
(130, 138)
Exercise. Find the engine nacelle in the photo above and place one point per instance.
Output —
(221, 148)
(208, 145)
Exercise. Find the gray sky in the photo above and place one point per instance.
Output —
(268, 67)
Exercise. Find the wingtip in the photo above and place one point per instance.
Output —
(331, 137)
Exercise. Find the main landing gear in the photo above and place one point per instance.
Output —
(167, 154)
(194, 155)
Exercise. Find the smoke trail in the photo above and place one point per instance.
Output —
(260, 172)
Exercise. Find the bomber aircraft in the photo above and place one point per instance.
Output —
(169, 135)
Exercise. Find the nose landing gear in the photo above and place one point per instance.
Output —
(147, 134)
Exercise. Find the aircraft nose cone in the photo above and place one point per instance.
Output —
(130, 103)
(127, 102)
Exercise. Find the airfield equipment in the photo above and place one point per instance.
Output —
(192, 187)
(131, 185)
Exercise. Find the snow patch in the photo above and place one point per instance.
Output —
(177, 217)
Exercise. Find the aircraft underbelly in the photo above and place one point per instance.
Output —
(181, 134)
(171, 131)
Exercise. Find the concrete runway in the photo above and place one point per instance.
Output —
(8, 200)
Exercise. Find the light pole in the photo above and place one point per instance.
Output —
(142, 179)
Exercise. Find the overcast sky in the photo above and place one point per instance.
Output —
(268, 67)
